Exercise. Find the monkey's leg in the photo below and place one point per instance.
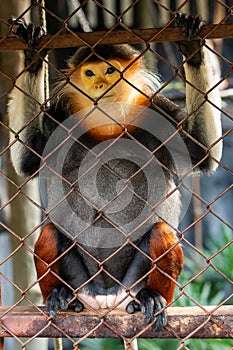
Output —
(167, 260)
(45, 254)
(56, 262)
(164, 270)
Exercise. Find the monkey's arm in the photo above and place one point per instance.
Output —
(25, 117)
(26, 105)
(203, 100)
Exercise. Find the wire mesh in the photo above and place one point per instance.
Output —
(27, 205)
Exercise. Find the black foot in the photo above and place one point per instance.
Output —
(30, 35)
(62, 299)
(190, 26)
(150, 303)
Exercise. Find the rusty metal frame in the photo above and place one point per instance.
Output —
(183, 322)
(134, 36)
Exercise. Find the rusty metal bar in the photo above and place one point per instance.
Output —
(1, 339)
(182, 322)
(133, 36)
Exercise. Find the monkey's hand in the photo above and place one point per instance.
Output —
(190, 26)
(151, 303)
(62, 299)
(30, 35)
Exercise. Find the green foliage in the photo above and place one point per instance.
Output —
(212, 286)
(102, 344)
(222, 261)
(158, 344)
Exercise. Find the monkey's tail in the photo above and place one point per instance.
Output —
(57, 343)
(133, 345)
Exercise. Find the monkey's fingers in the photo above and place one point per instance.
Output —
(190, 26)
(62, 299)
(28, 33)
(132, 307)
(17, 21)
(151, 303)
(53, 304)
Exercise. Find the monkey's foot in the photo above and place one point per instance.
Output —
(150, 304)
(62, 299)
(190, 26)
(30, 35)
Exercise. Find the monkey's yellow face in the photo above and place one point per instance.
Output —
(100, 80)
(104, 83)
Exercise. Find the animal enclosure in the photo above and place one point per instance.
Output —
(200, 314)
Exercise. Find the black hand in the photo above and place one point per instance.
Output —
(191, 27)
(30, 35)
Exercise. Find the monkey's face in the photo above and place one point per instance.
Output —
(101, 80)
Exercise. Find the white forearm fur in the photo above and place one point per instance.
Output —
(203, 102)
(24, 108)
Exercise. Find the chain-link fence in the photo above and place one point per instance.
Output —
(114, 179)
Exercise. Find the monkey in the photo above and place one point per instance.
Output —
(135, 269)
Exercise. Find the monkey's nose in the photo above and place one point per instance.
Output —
(99, 86)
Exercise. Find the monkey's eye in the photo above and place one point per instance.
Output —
(110, 70)
(89, 73)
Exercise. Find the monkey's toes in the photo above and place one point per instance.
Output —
(62, 299)
(150, 304)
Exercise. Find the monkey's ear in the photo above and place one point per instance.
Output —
(71, 66)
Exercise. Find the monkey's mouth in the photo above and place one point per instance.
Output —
(105, 97)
